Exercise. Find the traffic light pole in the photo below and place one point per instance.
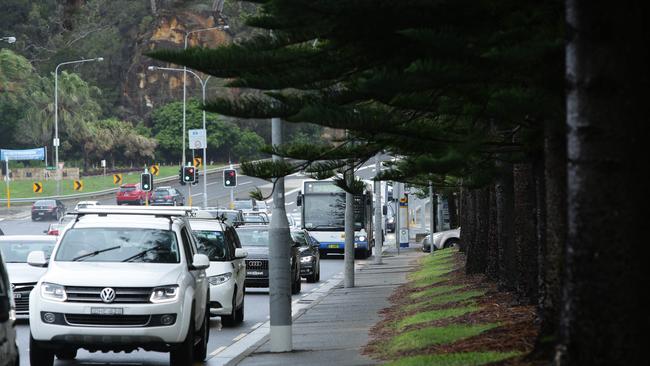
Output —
(379, 239)
(279, 260)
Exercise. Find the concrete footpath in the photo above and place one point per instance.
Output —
(332, 330)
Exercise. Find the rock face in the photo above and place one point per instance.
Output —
(144, 89)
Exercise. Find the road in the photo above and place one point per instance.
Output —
(256, 301)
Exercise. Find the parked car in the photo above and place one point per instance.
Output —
(441, 240)
(256, 218)
(14, 249)
(47, 209)
(245, 204)
(255, 239)
(262, 206)
(227, 271)
(309, 255)
(9, 355)
(230, 217)
(167, 196)
(84, 204)
(121, 279)
(132, 194)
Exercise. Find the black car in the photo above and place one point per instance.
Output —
(47, 209)
(8, 346)
(255, 239)
(167, 196)
(309, 255)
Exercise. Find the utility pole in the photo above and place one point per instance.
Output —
(379, 240)
(434, 208)
(279, 260)
(397, 195)
(348, 259)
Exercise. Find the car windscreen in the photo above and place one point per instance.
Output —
(213, 244)
(118, 245)
(299, 237)
(161, 193)
(253, 237)
(127, 189)
(243, 205)
(255, 219)
(45, 203)
(16, 251)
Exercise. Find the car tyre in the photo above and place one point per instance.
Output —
(39, 355)
(296, 285)
(231, 319)
(66, 354)
(183, 354)
(201, 348)
(239, 314)
(450, 243)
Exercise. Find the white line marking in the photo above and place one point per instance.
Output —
(216, 351)
(243, 183)
(289, 203)
(257, 325)
(240, 337)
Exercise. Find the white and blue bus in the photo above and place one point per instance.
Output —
(323, 215)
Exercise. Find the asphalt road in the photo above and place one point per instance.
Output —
(256, 301)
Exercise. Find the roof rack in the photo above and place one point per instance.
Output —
(163, 212)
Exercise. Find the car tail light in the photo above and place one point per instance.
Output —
(53, 209)
(168, 197)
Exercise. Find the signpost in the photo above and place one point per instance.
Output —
(117, 179)
(37, 187)
(28, 154)
(78, 185)
(198, 162)
(197, 138)
(155, 169)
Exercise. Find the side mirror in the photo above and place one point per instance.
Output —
(37, 259)
(240, 253)
(200, 261)
(299, 200)
(384, 210)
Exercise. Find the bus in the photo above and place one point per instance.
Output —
(322, 205)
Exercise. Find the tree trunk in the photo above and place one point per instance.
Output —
(492, 254)
(504, 196)
(477, 248)
(604, 319)
(552, 246)
(525, 232)
(453, 211)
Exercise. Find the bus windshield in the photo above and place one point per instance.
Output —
(327, 212)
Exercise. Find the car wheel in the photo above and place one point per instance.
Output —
(450, 243)
(318, 272)
(296, 285)
(141, 202)
(66, 354)
(183, 354)
(239, 314)
(39, 355)
(230, 320)
(201, 349)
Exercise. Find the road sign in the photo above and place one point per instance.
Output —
(155, 169)
(117, 178)
(197, 138)
(37, 187)
(198, 162)
(78, 185)
(103, 163)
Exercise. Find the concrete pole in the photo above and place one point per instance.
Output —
(348, 259)
(205, 148)
(56, 130)
(433, 199)
(279, 261)
(379, 241)
(397, 194)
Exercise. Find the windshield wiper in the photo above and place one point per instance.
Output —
(142, 253)
(326, 227)
(92, 254)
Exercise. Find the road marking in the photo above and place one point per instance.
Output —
(216, 351)
(289, 203)
(243, 183)
(257, 325)
(240, 337)
(197, 194)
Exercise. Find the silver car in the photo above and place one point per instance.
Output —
(441, 240)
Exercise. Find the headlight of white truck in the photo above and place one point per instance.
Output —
(52, 291)
(164, 294)
(220, 278)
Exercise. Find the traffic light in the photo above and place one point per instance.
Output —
(230, 178)
(196, 176)
(146, 182)
(189, 174)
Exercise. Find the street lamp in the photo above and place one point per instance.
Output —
(187, 34)
(8, 39)
(203, 82)
(55, 143)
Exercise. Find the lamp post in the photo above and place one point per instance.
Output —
(203, 82)
(187, 35)
(55, 143)
(8, 39)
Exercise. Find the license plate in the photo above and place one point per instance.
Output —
(18, 296)
(254, 273)
(106, 311)
(41, 213)
(333, 246)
